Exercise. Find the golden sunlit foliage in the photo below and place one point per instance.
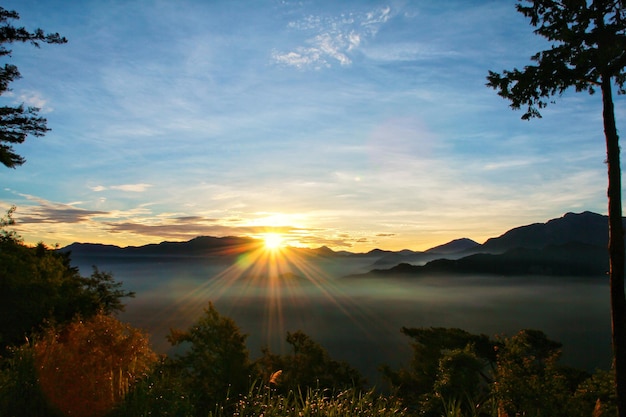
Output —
(86, 368)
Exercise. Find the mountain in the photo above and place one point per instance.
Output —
(199, 246)
(587, 227)
(573, 245)
(454, 249)
(455, 246)
(571, 259)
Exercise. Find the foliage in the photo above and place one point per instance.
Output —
(528, 379)
(102, 293)
(455, 373)
(39, 284)
(20, 392)
(215, 363)
(6, 234)
(588, 44)
(83, 368)
(115, 376)
(447, 362)
(111, 356)
(309, 366)
(159, 393)
(265, 401)
(587, 39)
(17, 122)
(596, 395)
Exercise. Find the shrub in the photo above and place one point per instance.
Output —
(87, 367)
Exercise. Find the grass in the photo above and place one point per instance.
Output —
(159, 396)
(263, 400)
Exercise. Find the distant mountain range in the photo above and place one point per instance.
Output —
(575, 244)
(572, 245)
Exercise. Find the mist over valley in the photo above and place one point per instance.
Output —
(548, 276)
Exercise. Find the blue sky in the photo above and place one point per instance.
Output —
(352, 124)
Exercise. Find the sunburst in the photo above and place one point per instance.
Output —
(273, 241)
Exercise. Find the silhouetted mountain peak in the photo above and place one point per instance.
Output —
(378, 252)
(454, 246)
(586, 227)
(324, 251)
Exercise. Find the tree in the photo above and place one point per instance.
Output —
(38, 285)
(588, 52)
(102, 293)
(112, 357)
(308, 367)
(17, 122)
(447, 362)
(215, 363)
(528, 380)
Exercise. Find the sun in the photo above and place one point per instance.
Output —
(273, 241)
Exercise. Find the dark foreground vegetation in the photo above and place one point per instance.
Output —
(64, 353)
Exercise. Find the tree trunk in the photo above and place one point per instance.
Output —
(616, 247)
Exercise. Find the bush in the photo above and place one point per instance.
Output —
(87, 367)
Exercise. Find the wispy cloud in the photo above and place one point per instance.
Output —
(131, 188)
(331, 39)
(49, 212)
(31, 98)
(35, 99)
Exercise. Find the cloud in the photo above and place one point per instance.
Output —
(34, 99)
(331, 38)
(188, 227)
(57, 213)
(316, 241)
(132, 188)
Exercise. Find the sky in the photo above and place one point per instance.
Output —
(348, 124)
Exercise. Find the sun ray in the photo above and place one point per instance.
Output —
(278, 280)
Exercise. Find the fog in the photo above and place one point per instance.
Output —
(359, 319)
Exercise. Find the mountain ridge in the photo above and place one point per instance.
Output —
(573, 239)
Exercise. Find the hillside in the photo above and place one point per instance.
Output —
(572, 245)
(571, 259)
(587, 228)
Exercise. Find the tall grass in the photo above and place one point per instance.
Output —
(159, 395)
(265, 401)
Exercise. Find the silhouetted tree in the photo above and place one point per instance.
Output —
(588, 52)
(308, 366)
(17, 122)
(38, 284)
(528, 380)
(596, 395)
(447, 362)
(215, 365)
